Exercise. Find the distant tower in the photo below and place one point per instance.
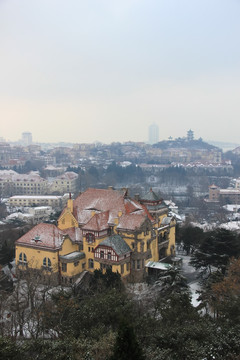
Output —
(153, 134)
(26, 138)
(190, 135)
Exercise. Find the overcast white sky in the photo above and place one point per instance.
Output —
(88, 70)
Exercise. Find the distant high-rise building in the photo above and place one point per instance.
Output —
(153, 134)
(26, 138)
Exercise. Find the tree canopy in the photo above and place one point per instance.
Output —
(216, 249)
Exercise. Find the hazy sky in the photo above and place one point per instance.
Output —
(87, 70)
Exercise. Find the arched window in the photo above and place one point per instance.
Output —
(47, 262)
(23, 258)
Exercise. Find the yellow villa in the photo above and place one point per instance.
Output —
(101, 228)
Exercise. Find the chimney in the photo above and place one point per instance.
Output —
(125, 192)
(70, 203)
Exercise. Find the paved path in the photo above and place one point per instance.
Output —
(192, 277)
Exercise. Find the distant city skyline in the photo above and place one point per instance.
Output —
(225, 145)
(105, 70)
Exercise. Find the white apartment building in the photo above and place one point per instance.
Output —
(37, 200)
(13, 183)
(64, 183)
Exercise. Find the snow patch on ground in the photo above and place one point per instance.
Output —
(194, 287)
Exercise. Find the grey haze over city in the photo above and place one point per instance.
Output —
(83, 71)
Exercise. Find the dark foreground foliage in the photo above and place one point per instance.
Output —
(107, 324)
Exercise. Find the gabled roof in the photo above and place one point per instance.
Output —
(117, 243)
(65, 211)
(75, 233)
(98, 222)
(43, 235)
(101, 200)
(132, 221)
(48, 236)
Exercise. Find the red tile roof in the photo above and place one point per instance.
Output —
(98, 222)
(132, 221)
(108, 205)
(48, 236)
(100, 200)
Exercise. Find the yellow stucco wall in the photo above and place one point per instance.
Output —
(73, 270)
(68, 246)
(172, 235)
(67, 220)
(35, 257)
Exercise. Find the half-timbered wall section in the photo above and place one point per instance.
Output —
(105, 253)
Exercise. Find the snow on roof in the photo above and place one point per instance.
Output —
(231, 208)
(151, 196)
(98, 222)
(41, 197)
(75, 255)
(117, 243)
(158, 265)
(51, 167)
(229, 191)
(69, 175)
(43, 235)
(170, 203)
(19, 215)
(166, 220)
(48, 236)
(177, 216)
(14, 176)
(102, 200)
(131, 221)
(41, 208)
(74, 233)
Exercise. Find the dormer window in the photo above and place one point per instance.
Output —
(90, 238)
(37, 238)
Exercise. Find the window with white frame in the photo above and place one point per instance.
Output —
(22, 258)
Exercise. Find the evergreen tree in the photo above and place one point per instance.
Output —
(216, 250)
(126, 346)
